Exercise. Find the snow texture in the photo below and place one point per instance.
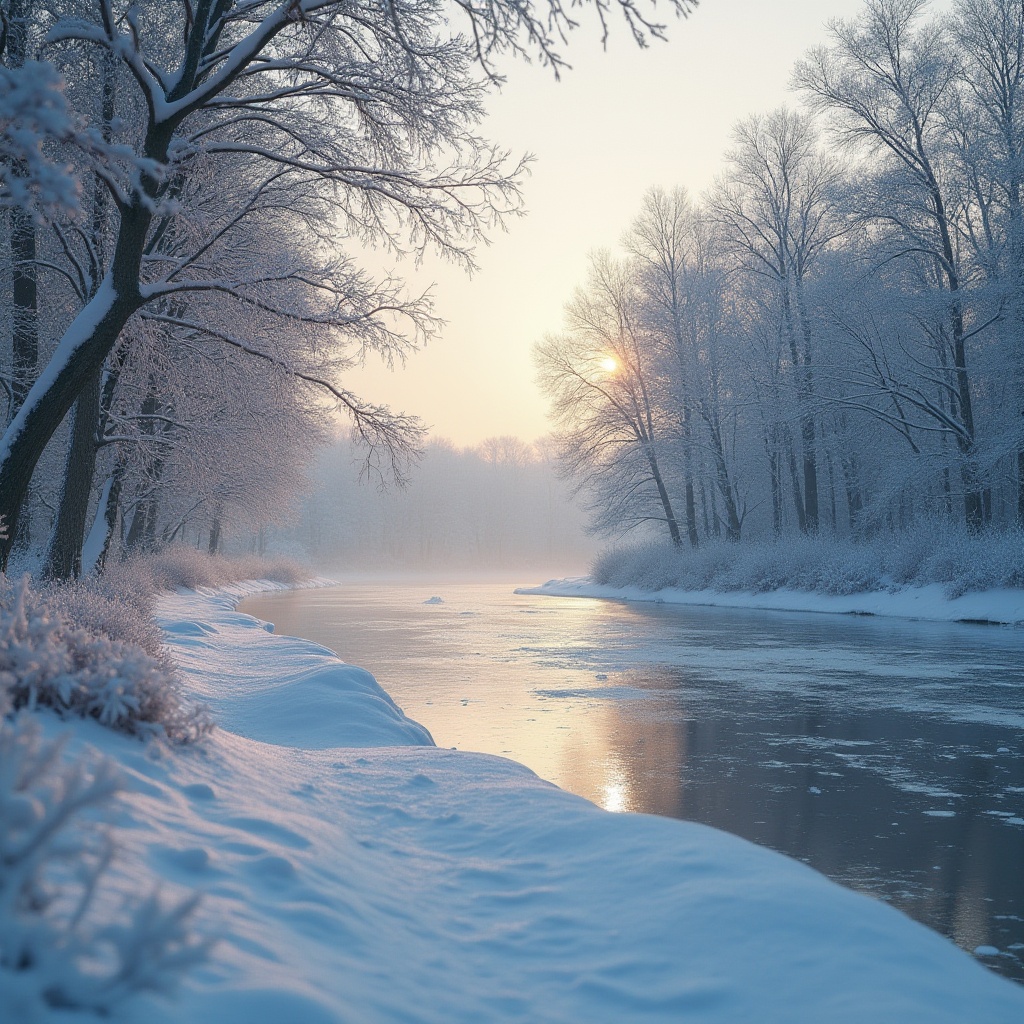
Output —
(57, 953)
(34, 112)
(357, 873)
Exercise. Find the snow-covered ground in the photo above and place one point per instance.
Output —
(356, 873)
(1003, 605)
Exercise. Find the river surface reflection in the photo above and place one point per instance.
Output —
(887, 754)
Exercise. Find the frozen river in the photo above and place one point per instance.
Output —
(887, 754)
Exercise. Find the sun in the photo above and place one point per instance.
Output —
(609, 364)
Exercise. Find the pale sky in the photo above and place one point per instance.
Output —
(619, 122)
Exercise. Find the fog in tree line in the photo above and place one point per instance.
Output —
(494, 506)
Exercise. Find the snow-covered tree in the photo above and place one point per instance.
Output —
(378, 104)
(603, 377)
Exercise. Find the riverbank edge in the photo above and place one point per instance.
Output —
(372, 716)
(851, 956)
(998, 607)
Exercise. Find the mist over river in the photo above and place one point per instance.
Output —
(887, 754)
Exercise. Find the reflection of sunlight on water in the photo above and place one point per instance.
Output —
(614, 799)
(615, 792)
(728, 718)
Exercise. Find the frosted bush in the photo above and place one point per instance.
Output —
(965, 563)
(183, 566)
(905, 554)
(92, 648)
(114, 606)
(948, 561)
(57, 949)
(77, 651)
(847, 568)
(933, 553)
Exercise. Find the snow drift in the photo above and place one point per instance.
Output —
(355, 873)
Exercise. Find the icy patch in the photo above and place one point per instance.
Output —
(997, 606)
(600, 692)
(936, 792)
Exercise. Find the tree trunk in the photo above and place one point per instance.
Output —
(691, 508)
(24, 293)
(691, 513)
(794, 478)
(771, 447)
(24, 309)
(776, 476)
(810, 468)
(807, 509)
(808, 430)
(64, 554)
(88, 418)
(854, 501)
(974, 509)
(1020, 488)
(86, 344)
(732, 524)
(215, 534)
(829, 462)
(666, 504)
(97, 543)
(80, 355)
(137, 531)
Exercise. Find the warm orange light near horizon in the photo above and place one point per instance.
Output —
(609, 364)
(600, 144)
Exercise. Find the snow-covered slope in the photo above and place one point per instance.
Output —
(1005, 605)
(356, 873)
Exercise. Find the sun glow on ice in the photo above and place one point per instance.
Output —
(615, 795)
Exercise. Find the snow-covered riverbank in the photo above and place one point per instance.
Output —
(1001, 606)
(356, 873)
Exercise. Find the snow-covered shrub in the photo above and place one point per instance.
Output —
(907, 553)
(183, 566)
(847, 568)
(980, 562)
(79, 651)
(641, 565)
(117, 606)
(279, 570)
(933, 553)
(56, 950)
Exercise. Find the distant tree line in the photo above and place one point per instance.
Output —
(499, 504)
(832, 338)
